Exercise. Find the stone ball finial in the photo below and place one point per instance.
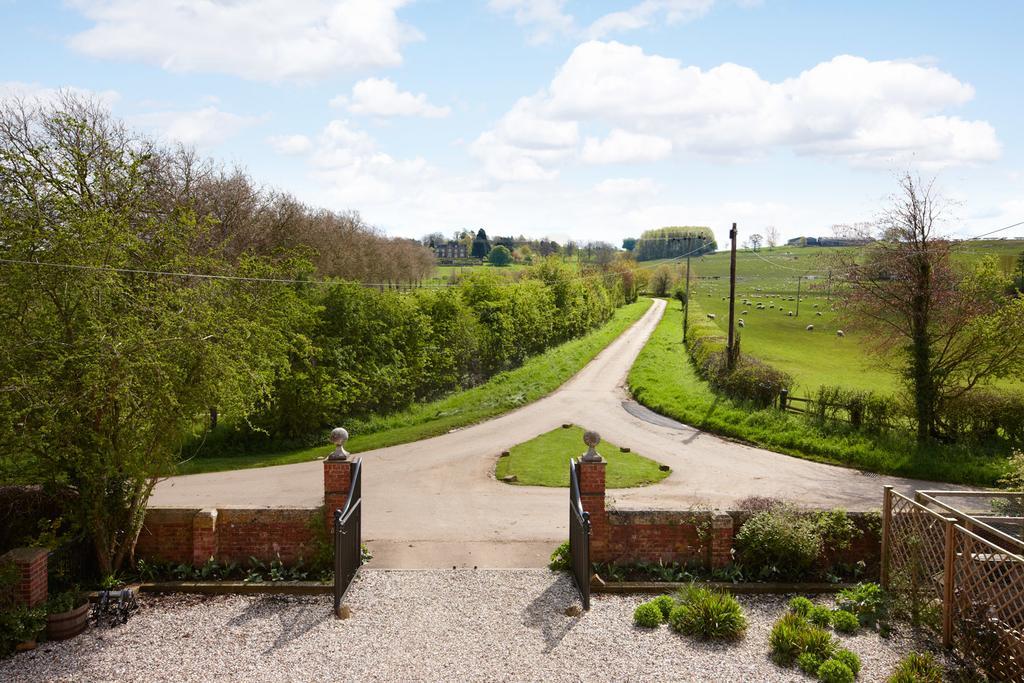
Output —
(591, 438)
(339, 435)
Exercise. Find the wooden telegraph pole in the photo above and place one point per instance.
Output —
(730, 355)
(798, 279)
(686, 303)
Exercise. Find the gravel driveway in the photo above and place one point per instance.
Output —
(419, 625)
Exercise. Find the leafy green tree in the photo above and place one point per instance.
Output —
(107, 362)
(629, 243)
(950, 330)
(499, 256)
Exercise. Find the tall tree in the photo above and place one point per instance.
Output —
(481, 245)
(950, 330)
(106, 364)
(771, 236)
(629, 243)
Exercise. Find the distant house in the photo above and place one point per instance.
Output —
(451, 251)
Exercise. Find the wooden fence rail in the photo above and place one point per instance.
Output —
(959, 575)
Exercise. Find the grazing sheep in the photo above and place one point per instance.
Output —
(810, 328)
(840, 333)
(711, 316)
(742, 324)
(818, 313)
(815, 305)
(744, 312)
(790, 314)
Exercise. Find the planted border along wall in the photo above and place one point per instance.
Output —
(701, 537)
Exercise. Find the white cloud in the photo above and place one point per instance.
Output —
(346, 160)
(381, 97)
(623, 147)
(627, 186)
(881, 113)
(44, 95)
(649, 12)
(290, 144)
(526, 143)
(543, 18)
(203, 127)
(262, 40)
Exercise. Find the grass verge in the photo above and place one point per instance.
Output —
(664, 380)
(506, 391)
(543, 461)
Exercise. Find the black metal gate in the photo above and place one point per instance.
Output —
(579, 535)
(348, 537)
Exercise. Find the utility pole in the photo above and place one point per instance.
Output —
(730, 354)
(686, 300)
(798, 279)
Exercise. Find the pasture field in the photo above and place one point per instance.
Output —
(815, 358)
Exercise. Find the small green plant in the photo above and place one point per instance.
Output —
(665, 603)
(560, 559)
(808, 662)
(800, 605)
(834, 671)
(20, 624)
(648, 615)
(867, 601)
(779, 543)
(917, 667)
(703, 613)
(820, 616)
(65, 601)
(850, 659)
(844, 622)
(792, 635)
(364, 554)
(836, 528)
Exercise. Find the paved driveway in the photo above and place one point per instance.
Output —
(436, 502)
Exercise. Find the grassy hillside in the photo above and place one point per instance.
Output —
(812, 358)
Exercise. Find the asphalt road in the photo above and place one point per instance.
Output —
(436, 503)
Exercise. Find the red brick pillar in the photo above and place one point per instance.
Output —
(592, 479)
(337, 479)
(30, 588)
(204, 536)
(721, 540)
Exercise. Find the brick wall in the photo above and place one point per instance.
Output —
(192, 535)
(30, 587)
(704, 537)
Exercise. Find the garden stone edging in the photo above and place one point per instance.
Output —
(238, 587)
(599, 586)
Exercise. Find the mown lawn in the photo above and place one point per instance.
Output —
(664, 380)
(504, 392)
(544, 461)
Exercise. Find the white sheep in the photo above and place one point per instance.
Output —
(742, 324)
(818, 313)
(744, 312)
(810, 328)
(790, 314)
(711, 316)
(840, 333)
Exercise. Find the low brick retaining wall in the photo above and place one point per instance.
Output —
(193, 535)
(702, 537)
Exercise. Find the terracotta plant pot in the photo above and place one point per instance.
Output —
(27, 645)
(64, 625)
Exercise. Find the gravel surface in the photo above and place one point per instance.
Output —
(420, 625)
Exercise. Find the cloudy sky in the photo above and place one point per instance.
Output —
(594, 120)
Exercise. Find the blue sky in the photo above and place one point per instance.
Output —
(590, 120)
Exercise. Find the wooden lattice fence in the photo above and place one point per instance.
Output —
(959, 576)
